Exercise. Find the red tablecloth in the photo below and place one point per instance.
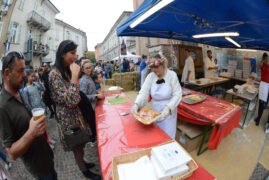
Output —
(225, 115)
(121, 134)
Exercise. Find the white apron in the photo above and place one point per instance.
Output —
(161, 95)
(263, 91)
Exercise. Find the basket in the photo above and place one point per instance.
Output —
(133, 156)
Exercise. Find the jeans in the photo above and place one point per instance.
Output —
(3, 156)
(51, 176)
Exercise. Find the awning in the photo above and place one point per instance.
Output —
(128, 55)
(182, 19)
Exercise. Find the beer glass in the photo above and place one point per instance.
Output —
(38, 113)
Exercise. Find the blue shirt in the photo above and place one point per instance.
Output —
(253, 65)
(97, 86)
(143, 65)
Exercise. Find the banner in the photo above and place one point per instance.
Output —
(123, 48)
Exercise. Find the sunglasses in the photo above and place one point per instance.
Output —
(12, 56)
(88, 67)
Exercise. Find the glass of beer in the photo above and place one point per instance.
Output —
(38, 113)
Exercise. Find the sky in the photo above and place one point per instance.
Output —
(95, 17)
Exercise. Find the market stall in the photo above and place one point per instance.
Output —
(222, 115)
(120, 133)
(246, 96)
(207, 84)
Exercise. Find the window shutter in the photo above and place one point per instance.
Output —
(10, 31)
(19, 35)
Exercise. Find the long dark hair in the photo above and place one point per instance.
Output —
(64, 47)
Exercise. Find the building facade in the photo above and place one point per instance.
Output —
(64, 31)
(110, 47)
(32, 29)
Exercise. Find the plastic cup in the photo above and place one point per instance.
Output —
(38, 113)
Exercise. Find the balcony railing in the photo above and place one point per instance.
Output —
(38, 21)
(37, 48)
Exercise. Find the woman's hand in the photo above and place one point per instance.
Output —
(165, 113)
(75, 70)
(135, 109)
(100, 96)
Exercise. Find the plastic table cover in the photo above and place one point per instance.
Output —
(212, 111)
(118, 134)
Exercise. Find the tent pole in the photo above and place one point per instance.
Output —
(120, 62)
(173, 64)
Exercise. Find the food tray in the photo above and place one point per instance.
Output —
(187, 100)
(185, 92)
(133, 156)
(147, 122)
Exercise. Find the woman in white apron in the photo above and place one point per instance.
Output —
(264, 88)
(163, 86)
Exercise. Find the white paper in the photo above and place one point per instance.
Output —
(141, 169)
(160, 173)
(170, 156)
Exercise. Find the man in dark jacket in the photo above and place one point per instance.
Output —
(46, 97)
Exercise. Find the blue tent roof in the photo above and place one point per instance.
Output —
(183, 18)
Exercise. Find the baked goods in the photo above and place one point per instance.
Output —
(195, 98)
(147, 116)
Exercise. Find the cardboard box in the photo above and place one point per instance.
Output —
(133, 156)
(107, 91)
(189, 135)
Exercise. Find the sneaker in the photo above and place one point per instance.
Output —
(8, 165)
(91, 175)
(267, 128)
(257, 122)
(93, 144)
(51, 146)
(89, 165)
(51, 115)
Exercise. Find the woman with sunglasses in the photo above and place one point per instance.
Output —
(163, 86)
(65, 92)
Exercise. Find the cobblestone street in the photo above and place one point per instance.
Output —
(64, 162)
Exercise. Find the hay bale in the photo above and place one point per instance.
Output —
(129, 80)
(110, 82)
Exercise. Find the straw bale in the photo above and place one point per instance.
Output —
(110, 82)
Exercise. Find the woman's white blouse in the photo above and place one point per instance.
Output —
(171, 79)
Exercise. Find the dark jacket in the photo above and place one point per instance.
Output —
(87, 112)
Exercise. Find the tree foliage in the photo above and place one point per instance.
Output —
(91, 56)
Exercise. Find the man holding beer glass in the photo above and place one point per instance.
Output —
(22, 134)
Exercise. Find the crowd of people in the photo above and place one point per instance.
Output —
(60, 89)
(70, 90)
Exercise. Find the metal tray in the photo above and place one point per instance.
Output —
(185, 92)
(189, 101)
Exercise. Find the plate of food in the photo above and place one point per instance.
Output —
(147, 116)
(193, 99)
(185, 92)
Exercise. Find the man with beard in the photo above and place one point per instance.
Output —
(21, 135)
(46, 97)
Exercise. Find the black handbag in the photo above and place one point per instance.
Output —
(73, 137)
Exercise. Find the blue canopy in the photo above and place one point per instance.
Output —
(183, 18)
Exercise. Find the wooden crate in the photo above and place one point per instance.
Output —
(133, 156)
